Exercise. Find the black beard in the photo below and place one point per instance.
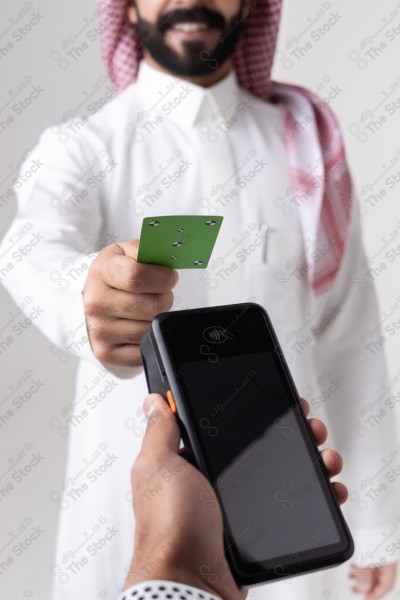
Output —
(196, 60)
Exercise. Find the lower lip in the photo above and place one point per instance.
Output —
(192, 35)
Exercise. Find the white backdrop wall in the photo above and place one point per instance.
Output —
(51, 68)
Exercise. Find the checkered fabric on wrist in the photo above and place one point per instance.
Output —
(165, 590)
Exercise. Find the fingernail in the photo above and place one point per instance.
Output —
(135, 249)
(149, 404)
(176, 278)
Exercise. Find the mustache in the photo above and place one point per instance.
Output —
(199, 14)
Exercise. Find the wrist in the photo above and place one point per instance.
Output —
(138, 573)
(181, 574)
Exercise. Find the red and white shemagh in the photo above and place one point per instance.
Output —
(319, 171)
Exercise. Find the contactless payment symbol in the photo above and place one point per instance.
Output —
(217, 335)
(180, 241)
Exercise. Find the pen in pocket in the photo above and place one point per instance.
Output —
(264, 237)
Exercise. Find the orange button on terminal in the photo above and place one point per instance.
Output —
(171, 401)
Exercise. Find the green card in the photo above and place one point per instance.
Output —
(178, 242)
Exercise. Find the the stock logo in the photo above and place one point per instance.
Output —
(217, 335)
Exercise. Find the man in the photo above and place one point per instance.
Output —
(199, 128)
(177, 561)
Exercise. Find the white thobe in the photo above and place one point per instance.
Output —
(144, 154)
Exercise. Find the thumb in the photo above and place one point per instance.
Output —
(162, 434)
(130, 248)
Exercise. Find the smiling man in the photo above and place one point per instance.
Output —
(199, 128)
(191, 43)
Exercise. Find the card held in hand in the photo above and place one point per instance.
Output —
(178, 242)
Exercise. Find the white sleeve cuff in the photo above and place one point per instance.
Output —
(165, 590)
(376, 546)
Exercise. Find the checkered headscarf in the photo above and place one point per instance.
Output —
(326, 192)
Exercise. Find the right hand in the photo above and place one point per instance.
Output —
(169, 542)
(121, 297)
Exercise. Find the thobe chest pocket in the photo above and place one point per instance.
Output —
(282, 246)
(275, 275)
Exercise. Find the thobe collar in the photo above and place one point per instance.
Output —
(188, 104)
